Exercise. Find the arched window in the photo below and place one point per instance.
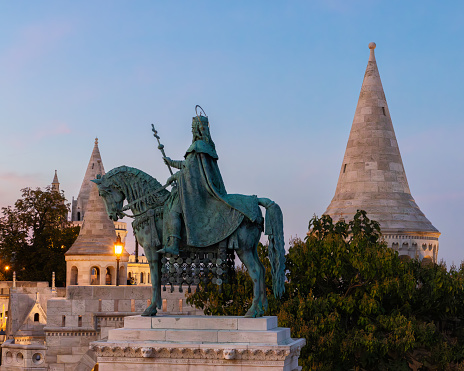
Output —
(129, 275)
(36, 317)
(78, 215)
(94, 276)
(141, 277)
(109, 276)
(74, 275)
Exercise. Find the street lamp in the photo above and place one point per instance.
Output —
(118, 251)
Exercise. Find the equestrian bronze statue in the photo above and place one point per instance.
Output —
(197, 218)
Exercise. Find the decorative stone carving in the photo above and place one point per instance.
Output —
(163, 353)
(228, 353)
(176, 353)
(129, 352)
(147, 352)
(107, 352)
(118, 352)
(195, 353)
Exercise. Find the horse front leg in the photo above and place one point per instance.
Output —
(155, 274)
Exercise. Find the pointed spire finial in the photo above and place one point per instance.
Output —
(55, 182)
(372, 55)
(96, 141)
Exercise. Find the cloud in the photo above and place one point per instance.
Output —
(52, 131)
(17, 179)
(31, 43)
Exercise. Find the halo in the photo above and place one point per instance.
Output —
(196, 112)
(202, 110)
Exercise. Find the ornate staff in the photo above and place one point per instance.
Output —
(160, 146)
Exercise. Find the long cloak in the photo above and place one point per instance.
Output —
(210, 214)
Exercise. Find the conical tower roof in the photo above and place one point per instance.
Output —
(94, 167)
(55, 178)
(56, 183)
(372, 176)
(97, 235)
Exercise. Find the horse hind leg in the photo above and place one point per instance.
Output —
(249, 257)
(262, 290)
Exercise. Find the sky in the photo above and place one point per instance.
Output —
(278, 80)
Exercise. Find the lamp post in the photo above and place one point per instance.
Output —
(118, 251)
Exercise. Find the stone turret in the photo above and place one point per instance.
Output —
(55, 183)
(94, 167)
(79, 205)
(372, 176)
(91, 259)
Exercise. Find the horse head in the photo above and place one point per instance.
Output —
(112, 195)
(140, 190)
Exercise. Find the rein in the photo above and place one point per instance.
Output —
(128, 206)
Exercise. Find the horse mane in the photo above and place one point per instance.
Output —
(136, 184)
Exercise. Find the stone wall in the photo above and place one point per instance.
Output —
(87, 313)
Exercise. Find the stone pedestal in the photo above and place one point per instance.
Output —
(198, 343)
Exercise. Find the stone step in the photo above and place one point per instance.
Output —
(273, 336)
(201, 323)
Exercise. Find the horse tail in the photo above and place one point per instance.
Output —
(274, 229)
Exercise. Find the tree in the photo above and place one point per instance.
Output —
(35, 234)
(235, 296)
(358, 305)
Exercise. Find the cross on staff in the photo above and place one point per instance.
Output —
(160, 146)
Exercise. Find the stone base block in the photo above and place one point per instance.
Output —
(198, 343)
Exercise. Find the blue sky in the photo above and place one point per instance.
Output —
(278, 80)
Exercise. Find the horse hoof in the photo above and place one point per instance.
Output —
(150, 312)
(252, 313)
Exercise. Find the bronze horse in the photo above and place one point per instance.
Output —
(146, 197)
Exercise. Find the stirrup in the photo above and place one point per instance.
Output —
(168, 250)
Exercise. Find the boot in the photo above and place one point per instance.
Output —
(172, 247)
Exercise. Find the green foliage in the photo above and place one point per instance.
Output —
(235, 297)
(357, 304)
(35, 234)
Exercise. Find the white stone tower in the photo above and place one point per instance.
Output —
(91, 259)
(79, 205)
(94, 167)
(372, 176)
(55, 183)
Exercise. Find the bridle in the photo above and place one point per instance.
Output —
(130, 204)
